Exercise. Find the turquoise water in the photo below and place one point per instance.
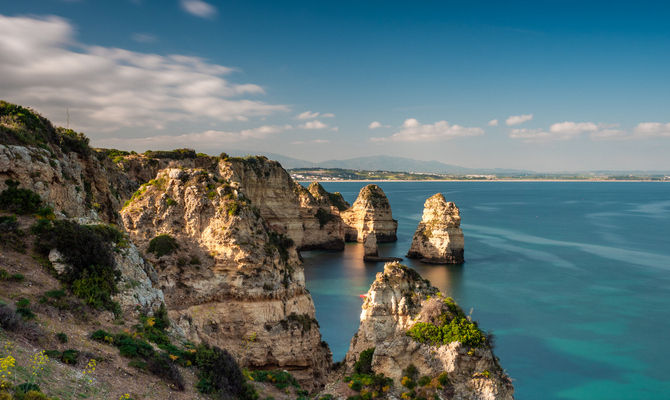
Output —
(573, 279)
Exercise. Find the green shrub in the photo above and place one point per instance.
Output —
(443, 379)
(141, 365)
(162, 366)
(424, 380)
(70, 357)
(219, 373)
(91, 273)
(19, 125)
(62, 337)
(110, 233)
(171, 202)
(163, 245)
(23, 308)
(458, 329)
(280, 379)
(133, 347)
(324, 217)
(364, 363)
(232, 208)
(20, 201)
(279, 242)
(71, 141)
(177, 154)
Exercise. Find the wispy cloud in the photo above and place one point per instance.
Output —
(377, 125)
(144, 37)
(199, 8)
(652, 129)
(317, 125)
(209, 138)
(413, 131)
(313, 115)
(315, 141)
(518, 119)
(568, 130)
(105, 88)
(493, 122)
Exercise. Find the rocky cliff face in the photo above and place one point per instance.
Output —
(408, 322)
(228, 278)
(370, 213)
(312, 222)
(438, 238)
(81, 185)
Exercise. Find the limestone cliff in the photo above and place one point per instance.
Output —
(408, 322)
(228, 278)
(289, 208)
(370, 213)
(438, 238)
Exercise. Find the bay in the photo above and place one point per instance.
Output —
(572, 278)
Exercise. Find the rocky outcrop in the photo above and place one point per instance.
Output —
(228, 278)
(438, 238)
(370, 214)
(370, 246)
(288, 207)
(402, 318)
(80, 185)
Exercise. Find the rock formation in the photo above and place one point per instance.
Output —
(370, 246)
(408, 322)
(228, 278)
(438, 238)
(370, 214)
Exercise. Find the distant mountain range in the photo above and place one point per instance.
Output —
(382, 163)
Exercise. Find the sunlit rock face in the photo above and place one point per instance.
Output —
(438, 238)
(229, 279)
(370, 214)
(400, 298)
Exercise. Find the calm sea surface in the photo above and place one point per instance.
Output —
(573, 279)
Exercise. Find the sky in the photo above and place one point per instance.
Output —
(540, 85)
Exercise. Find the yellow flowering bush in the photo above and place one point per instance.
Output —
(6, 365)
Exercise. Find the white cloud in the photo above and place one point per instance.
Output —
(567, 130)
(315, 141)
(43, 66)
(312, 115)
(652, 129)
(377, 125)
(518, 119)
(144, 38)
(199, 8)
(210, 138)
(493, 122)
(315, 124)
(413, 131)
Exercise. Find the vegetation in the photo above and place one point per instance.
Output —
(177, 154)
(23, 126)
(280, 379)
(220, 374)
(163, 245)
(454, 328)
(364, 363)
(324, 217)
(20, 201)
(91, 274)
(71, 141)
(279, 242)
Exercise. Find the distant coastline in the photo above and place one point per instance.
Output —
(481, 180)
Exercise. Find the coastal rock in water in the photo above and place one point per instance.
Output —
(438, 238)
(370, 214)
(370, 246)
(409, 323)
(228, 278)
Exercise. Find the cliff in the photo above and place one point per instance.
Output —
(370, 214)
(438, 238)
(228, 278)
(415, 334)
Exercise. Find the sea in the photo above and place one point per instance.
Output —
(572, 278)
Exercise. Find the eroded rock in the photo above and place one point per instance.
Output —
(370, 214)
(438, 238)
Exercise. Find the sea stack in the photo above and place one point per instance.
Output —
(409, 330)
(370, 214)
(438, 238)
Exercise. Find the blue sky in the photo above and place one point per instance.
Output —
(572, 84)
